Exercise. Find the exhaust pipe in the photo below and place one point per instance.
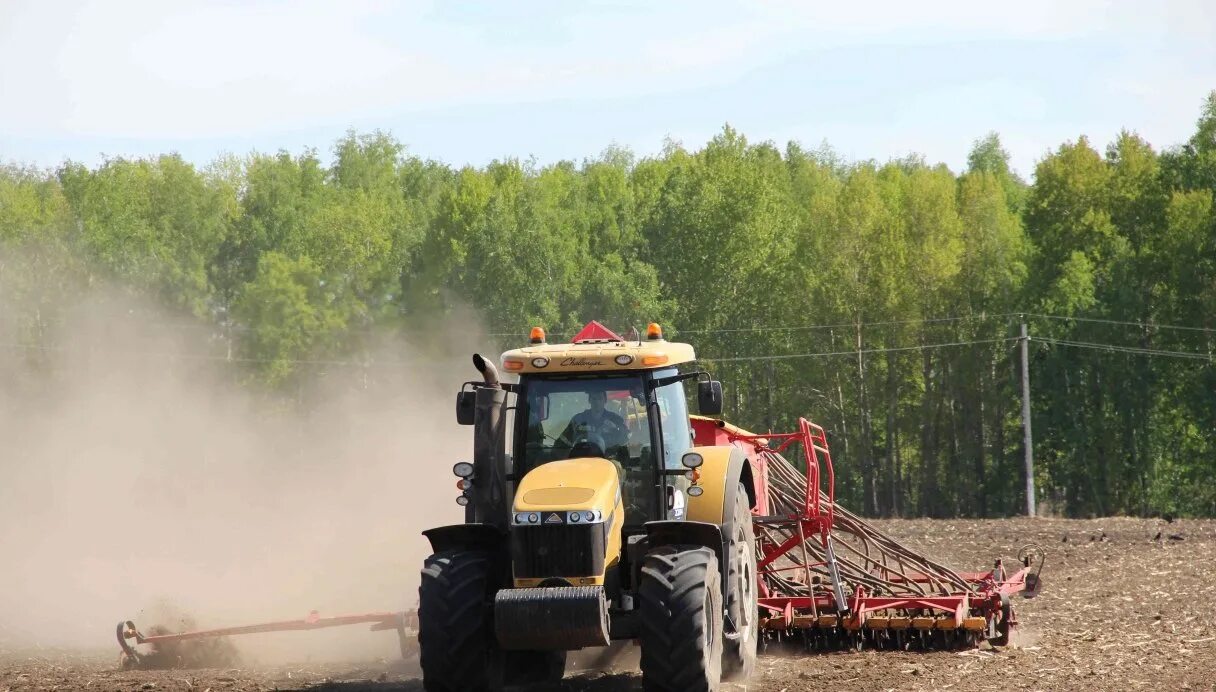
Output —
(488, 372)
(490, 497)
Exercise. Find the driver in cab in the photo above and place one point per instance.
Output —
(596, 430)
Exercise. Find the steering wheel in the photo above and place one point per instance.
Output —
(617, 432)
(588, 445)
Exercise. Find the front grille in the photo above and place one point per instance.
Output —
(561, 550)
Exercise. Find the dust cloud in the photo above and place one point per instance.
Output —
(137, 469)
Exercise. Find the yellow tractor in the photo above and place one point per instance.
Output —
(592, 515)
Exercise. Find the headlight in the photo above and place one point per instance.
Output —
(521, 517)
(534, 518)
(623, 359)
(463, 470)
(540, 362)
(591, 516)
(462, 500)
(575, 517)
(692, 460)
(696, 490)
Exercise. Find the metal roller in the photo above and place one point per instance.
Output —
(551, 618)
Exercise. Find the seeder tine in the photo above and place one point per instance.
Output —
(899, 639)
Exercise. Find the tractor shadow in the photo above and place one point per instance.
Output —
(608, 669)
(593, 682)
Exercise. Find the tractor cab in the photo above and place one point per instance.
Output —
(597, 521)
(607, 398)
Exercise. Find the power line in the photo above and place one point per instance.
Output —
(807, 327)
(858, 352)
(1113, 348)
(219, 328)
(1099, 320)
(200, 357)
(171, 356)
(1135, 350)
(918, 320)
(842, 325)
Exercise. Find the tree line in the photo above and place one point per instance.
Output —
(883, 300)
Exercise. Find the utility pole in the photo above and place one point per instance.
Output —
(1027, 439)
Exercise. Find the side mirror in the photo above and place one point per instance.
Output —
(709, 398)
(466, 407)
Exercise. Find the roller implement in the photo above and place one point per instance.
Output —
(616, 515)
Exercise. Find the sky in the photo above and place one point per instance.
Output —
(470, 82)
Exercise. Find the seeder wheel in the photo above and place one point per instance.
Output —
(129, 659)
(1001, 626)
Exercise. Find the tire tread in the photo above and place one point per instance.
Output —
(675, 626)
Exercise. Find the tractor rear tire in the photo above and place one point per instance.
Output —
(742, 604)
(681, 620)
(457, 649)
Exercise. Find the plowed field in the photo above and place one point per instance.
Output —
(1127, 604)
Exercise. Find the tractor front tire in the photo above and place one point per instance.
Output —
(742, 600)
(681, 620)
(457, 649)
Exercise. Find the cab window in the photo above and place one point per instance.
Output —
(601, 417)
(677, 431)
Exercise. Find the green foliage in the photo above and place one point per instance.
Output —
(744, 249)
(38, 270)
(291, 312)
(154, 223)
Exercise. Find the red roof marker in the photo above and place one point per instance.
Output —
(594, 331)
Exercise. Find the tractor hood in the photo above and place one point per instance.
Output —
(588, 484)
(567, 521)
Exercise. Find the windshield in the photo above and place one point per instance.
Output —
(601, 417)
(594, 417)
(607, 417)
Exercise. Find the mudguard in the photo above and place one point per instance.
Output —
(684, 533)
(721, 473)
(466, 537)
